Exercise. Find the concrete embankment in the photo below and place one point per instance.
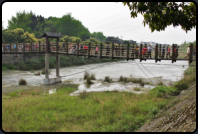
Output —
(178, 116)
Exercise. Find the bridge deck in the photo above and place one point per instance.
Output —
(114, 52)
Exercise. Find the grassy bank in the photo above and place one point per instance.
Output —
(102, 111)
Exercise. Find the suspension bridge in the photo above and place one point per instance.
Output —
(113, 51)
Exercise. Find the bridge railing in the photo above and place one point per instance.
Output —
(180, 52)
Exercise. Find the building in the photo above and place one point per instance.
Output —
(114, 39)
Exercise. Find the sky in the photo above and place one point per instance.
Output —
(111, 18)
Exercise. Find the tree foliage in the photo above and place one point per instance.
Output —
(28, 22)
(99, 36)
(159, 15)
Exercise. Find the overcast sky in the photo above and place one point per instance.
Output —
(113, 19)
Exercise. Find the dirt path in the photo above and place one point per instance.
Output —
(178, 116)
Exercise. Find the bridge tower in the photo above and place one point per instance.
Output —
(56, 79)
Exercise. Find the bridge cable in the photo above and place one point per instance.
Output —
(156, 78)
(146, 75)
(83, 71)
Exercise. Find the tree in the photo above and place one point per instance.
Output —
(108, 42)
(22, 20)
(19, 35)
(125, 42)
(94, 40)
(159, 15)
(9, 36)
(29, 37)
(98, 35)
(78, 40)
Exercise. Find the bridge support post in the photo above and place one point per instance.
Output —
(46, 65)
(173, 54)
(156, 53)
(127, 51)
(57, 65)
(191, 52)
(140, 52)
(112, 49)
(56, 79)
(100, 50)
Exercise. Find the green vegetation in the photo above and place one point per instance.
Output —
(65, 61)
(107, 79)
(22, 82)
(89, 77)
(136, 89)
(8, 66)
(31, 71)
(28, 27)
(107, 111)
(159, 15)
(37, 74)
(93, 111)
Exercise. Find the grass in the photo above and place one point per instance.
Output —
(22, 82)
(104, 111)
(92, 112)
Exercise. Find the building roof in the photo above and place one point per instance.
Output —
(51, 35)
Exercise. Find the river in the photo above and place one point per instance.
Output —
(164, 70)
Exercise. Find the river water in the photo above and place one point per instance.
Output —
(164, 70)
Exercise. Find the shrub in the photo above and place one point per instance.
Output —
(121, 78)
(43, 71)
(31, 71)
(21, 65)
(89, 81)
(22, 82)
(107, 79)
(38, 73)
(181, 85)
(9, 66)
(33, 64)
(83, 95)
(142, 84)
(160, 83)
(136, 89)
(86, 75)
(125, 79)
(92, 77)
(4, 68)
(154, 111)
(190, 71)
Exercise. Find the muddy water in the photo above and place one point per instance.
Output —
(165, 70)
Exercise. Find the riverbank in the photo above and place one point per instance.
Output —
(37, 63)
(94, 111)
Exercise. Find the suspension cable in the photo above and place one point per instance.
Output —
(145, 74)
(156, 78)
